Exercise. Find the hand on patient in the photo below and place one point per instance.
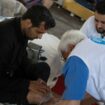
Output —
(38, 92)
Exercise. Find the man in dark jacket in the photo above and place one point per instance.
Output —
(20, 81)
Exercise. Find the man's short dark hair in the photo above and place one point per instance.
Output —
(100, 7)
(39, 13)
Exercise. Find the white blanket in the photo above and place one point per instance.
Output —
(50, 44)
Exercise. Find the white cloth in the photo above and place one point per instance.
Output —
(4, 18)
(89, 28)
(11, 8)
(93, 56)
(50, 44)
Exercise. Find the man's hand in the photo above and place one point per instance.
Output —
(39, 86)
(52, 101)
(38, 91)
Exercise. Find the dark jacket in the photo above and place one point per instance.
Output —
(15, 68)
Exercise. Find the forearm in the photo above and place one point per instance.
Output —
(62, 102)
(67, 102)
(88, 100)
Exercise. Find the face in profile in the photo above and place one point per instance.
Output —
(33, 32)
(100, 23)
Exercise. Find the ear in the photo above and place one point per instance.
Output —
(28, 23)
(42, 26)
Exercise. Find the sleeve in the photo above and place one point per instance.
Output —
(76, 75)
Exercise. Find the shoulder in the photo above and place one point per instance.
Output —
(90, 19)
(7, 24)
(73, 63)
(75, 60)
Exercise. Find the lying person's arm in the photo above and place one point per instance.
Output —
(62, 102)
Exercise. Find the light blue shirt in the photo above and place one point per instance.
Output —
(98, 40)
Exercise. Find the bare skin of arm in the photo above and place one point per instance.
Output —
(57, 101)
(38, 91)
(88, 100)
(63, 102)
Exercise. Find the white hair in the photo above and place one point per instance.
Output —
(70, 37)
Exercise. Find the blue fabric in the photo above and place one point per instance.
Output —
(76, 75)
(98, 40)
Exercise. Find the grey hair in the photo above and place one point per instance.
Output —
(70, 37)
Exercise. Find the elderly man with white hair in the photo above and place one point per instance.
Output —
(84, 68)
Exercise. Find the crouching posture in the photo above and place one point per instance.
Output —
(20, 81)
(84, 68)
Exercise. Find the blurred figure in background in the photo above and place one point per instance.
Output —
(29, 3)
(94, 27)
(11, 8)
